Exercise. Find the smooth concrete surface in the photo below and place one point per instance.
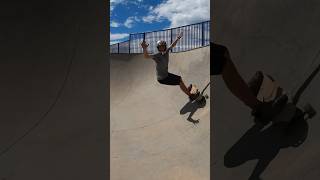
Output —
(53, 93)
(280, 38)
(151, 136)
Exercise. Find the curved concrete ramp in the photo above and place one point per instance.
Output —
(152, 137)
(53, 91)
(282, 39)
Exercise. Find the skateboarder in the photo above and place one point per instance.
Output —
(162, 60)
(221, 64)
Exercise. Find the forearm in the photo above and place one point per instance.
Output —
(145, 53)
(175, 43)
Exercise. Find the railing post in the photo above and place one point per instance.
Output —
(171, 37)
(202, 44)
(144, 39)
(129, 42)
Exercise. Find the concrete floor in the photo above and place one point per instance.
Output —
(151, 136)
(53, 91)
(280, 38)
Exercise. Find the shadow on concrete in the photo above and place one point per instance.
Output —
(307, 82)
(264, 144)
(192, 107)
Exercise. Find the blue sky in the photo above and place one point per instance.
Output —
(131, 16)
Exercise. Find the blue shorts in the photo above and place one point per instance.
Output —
(171, 79)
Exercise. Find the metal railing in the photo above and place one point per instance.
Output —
(194, 36)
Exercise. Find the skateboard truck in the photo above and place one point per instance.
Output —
(309, 111)
(201, 97)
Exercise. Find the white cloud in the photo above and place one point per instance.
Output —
(136, 19)
(180, 12)
(114, 3)
(150, 18)
(118, 36)
(114, 24)
(130, 21)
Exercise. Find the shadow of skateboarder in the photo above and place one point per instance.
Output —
(193, 106)
(264, 144)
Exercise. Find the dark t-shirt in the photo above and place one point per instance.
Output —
(218, 57)
(162, 61)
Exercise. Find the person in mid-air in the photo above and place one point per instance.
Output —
(162, 60)
(221, 64)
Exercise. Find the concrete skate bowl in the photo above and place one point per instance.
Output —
(151, 135)
(282, 39)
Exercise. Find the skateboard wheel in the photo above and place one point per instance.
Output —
(206, 96)
(309, 110)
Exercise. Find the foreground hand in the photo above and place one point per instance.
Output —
(180, 35)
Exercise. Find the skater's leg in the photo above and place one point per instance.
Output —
(221, 63)
(174, 80)
(238, 86)
(264, 111)
(184, 88)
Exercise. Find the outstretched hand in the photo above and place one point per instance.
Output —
(144, 45)
(180, 35)
(176, 41)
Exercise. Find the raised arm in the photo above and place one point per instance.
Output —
(144, 46)
(176, 41)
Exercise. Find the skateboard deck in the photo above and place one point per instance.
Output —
(201, 96)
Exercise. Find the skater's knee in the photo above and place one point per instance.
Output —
(180, 80)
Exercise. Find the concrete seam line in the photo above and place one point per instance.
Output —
(59, 94)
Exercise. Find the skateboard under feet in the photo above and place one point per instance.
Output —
(266, 89)
(199, 96)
